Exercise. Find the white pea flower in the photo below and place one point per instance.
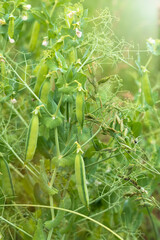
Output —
(45, 42)
(71, 14)
(78, 33)
(151, 40)
(143, 190)
(97, 183)
(24, 17)
(11, 40)
(27, 7)
(108, 170)
(13, 101)
(2, 22)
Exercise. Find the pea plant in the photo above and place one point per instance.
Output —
(78, 159)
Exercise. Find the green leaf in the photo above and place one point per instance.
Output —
(136, 128)
(39, 233)
(18, 26)
(51, 123)
(40, 16)
(18, 2)
(67, 161)
(81, 78)
(52, 64)
(61, 61)
(8, 90)
(126, 213)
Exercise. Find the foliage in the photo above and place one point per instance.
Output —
(52, 66)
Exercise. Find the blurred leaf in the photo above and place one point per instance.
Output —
(136, 128)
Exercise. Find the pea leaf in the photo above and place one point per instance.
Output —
(136, 128)
(61, 61)
(81, 78)
(52, 123)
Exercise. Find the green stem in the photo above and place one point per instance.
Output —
(26, 85)
(100, 161)
(13, 225)
(91, 137)
(52, 181)
(69, 211)
(87, 58)
(128, 63)
(57, 142)
(15, 154)
(152, 222)
(148, 62)
(59, 104)
(18, 114)
(54, 6)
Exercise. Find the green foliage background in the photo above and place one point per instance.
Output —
(120, 135)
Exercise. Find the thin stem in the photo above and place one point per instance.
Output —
(91, 137)
(16, 170)
(54, 6)
(20, 160)
(148, 62)
(128, 63)
(92, 164)
(26, 85)
(66, 210)
(18, 114)
(59, 104)
(52, 181)
(151, 219)
(87, 59)
(13, 225)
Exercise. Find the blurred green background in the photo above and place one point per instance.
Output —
(135, 22)
(138, 19)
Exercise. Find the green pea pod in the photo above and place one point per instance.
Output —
(39, 233)
(41, 75)
(65, 203)
(32, 137)
(44, 91)
(6, 180)
(81, 180)
(147, 87)
(34, 36)
(3, 69)
(80, 108)
(11, 27)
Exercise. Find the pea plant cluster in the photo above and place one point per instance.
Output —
(77, 159)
